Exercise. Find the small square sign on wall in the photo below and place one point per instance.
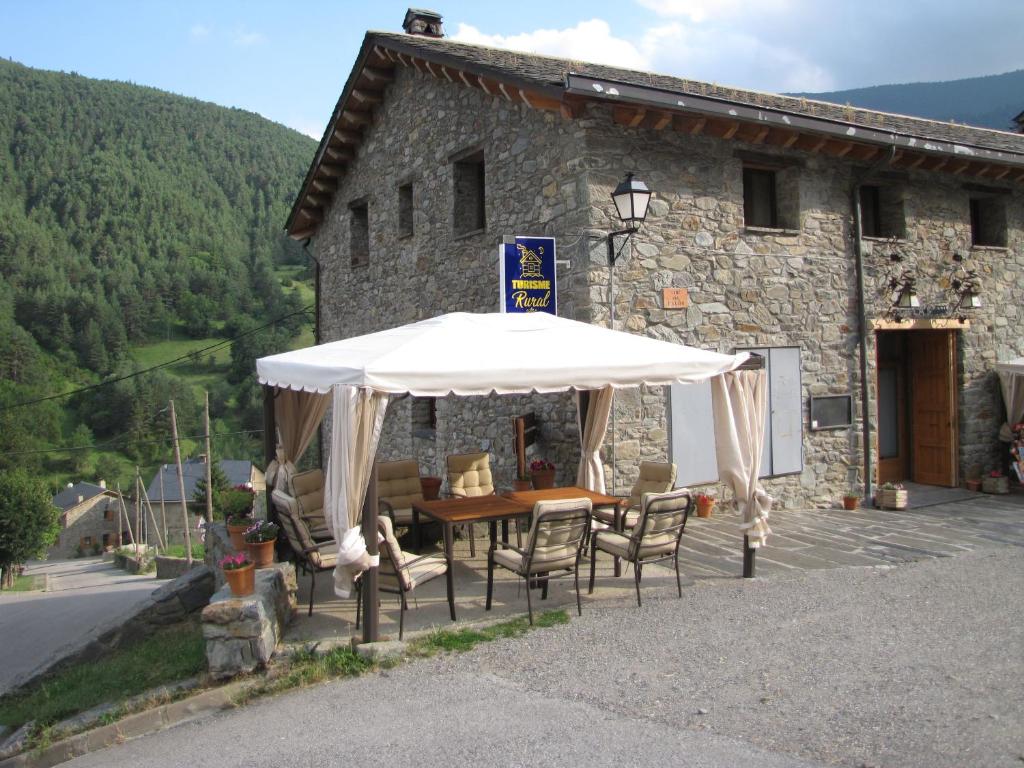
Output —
(675, 298)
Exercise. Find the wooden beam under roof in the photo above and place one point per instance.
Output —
(837, 148)
(378, 75)
(356, 118)
(630, 117)
(661, 120)
(302, 234)
(722, 129)
(572, 107)
(324, 184)
(317, 201)
(1003, 172)
(313, 213)
(689, 124)
(957, 168)
(810, 142)
(347, 137)
(366, 98)
(339, 154)
(864, 152)
(779, 137)
(331, 170)
(934, 163)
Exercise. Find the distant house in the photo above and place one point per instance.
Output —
(164, 484)
(90, 520)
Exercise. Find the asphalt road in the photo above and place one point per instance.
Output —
(83, 596)
(917, 665)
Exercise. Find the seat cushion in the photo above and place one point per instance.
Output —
(607, 515)
(325, 557)
(617, 544)
(420, 572)
(563, 557)
(655, 477)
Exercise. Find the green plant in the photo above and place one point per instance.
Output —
(29, 522)
(891, 486)
(261, 532)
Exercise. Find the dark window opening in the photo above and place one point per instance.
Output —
(405, 221)
(760, 204)
(881, 211)
(424, 416)
(469, 194)
(988, 221)
(359, 234)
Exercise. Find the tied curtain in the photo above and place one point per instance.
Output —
(356, 419)
(1013, 397)
(739, 399)
(298, 414)
(592, 433)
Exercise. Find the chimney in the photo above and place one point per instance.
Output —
(103, 483)
(81, 498)
(419, 21)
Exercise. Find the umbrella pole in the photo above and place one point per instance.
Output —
(748, 559)
(371, 607)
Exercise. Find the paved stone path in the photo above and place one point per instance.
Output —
(81, 595)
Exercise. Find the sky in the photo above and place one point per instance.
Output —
(289, 61)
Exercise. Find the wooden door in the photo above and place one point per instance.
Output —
(933, 406)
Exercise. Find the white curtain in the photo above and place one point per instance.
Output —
(1013, 397)
(591, 471)
(739, 399)
(355, 430)
(297, 415)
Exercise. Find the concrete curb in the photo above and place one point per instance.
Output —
(133, 726)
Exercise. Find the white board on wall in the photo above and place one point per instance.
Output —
(692, 434)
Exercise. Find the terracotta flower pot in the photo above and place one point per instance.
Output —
(542, 479)
(261, 553)
(850, 502)
(241, 580)
(521, 485)
(704, 507)
(431, 487)
(237, 534)
(973, 485)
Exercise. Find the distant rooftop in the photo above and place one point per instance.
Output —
(237, 471)
(78, 493)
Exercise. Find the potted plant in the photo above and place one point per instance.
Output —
(851, 499)
(891, 496)
(240, 574)
(542, 474)
(996, 482)
(521, 484)
(705, 504)
(237, 524)
(431, 487)
(259, 539)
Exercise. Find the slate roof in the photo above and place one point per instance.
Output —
(238, 472)
(547, 72)
(68, 497)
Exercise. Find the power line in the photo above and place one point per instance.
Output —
(111, 443)
(167, 364)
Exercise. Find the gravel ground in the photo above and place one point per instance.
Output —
(919, 665)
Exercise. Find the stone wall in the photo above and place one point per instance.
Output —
(748, 287)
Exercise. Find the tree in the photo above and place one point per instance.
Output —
(217, 478)
(29, 522)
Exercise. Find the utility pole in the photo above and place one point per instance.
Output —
(181, 487)
(160, 540)
(209, 458)
(127, 521)
(163, 508)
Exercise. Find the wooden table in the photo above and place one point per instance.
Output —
(470, 509)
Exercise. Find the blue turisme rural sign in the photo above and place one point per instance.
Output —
(528, 275)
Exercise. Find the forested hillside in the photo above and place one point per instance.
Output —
(988, 102)
(129, 216)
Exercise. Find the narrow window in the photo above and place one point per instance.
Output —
(405, 223)
(988, 221)
(881, 211)
(760, 206)
(469, 194)
(359, 234)
(424, 416)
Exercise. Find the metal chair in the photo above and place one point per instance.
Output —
(654, 477)
(555, 543)
(398, 487)
(655, 537)
(308, 554)
(469, 474)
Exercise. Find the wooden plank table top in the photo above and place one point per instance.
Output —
(558, 494)
(473, 509)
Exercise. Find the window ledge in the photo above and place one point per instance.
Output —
(359, 264)
(471, 233)
(425, 433)
(994, 248)
(404, 235)
(770, 231)
(882, 239)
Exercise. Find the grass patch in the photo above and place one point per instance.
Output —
(467, 639)
(26, 584)
(308, 667)
(178, 550)
(170, 655)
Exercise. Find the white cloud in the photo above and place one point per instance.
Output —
(312, 128)
(199, 31)
(588, 41)
(245, 38)
(699, 11)
(731, 57)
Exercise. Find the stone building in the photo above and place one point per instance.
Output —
(437, 151)
(90, 520)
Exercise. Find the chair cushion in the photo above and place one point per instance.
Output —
(325, 557)
(565, 557)
(299, 534)
(617, 544)
(398, 483)
(420, 572)
(307, 482)
(469, 474)
(655, 477)
(607, 515)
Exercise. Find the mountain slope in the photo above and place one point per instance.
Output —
(989, 102)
